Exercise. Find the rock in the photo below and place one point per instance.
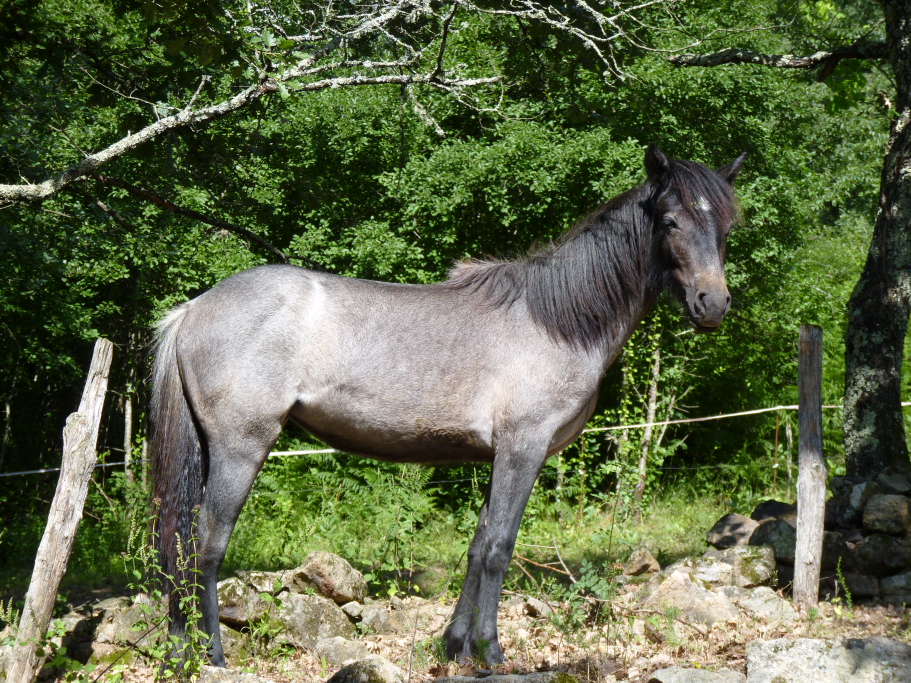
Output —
(773, 509)
(841, 486)
(751, 565)
(122, 623)
(375, 618)
(371, 669)
(235, 644)
(540, 677)
(894, 481)
(766, 603)
(79, 631)
(731, 531)
(861, 585)
(851, 507)
(898, 584)
(239, 604)
(211, 674)
(833, 549)
(263, 582)
(427, 617)
(677, 674)
(329, 575)
(695, 601)
(353, 609)
(641, 562)
(537, 608)
(880, 555)
(336, 651)
(778, 534)
(849, 660)
(309, 618)
(888, 513)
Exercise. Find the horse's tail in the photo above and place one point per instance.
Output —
(176, 456)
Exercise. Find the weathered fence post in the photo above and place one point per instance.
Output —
(811, 478)
(79, 459)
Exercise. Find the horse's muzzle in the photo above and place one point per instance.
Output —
(708, 306)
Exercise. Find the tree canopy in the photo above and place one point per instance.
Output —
(393, 140)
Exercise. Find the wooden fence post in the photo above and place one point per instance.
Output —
(79, 458)
(811, 478)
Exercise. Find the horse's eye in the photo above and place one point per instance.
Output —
(668, 222)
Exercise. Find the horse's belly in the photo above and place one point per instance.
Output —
(398, 437)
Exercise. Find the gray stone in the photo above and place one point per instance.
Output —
(765, 603)
(306, 619)
(211, 674)
(235, 644)
(372, 669)
(709, 570)
(751, 565)
(537, 608)
(353, 609)
(263, 582)
(900, 583)
(894, 481)
(426, 617)
(239, 604)
(375, 617)
(773, 509)
(849, 660)
(778, 534)
(641, 562)
(678, 674)
(897, 599)
(329, 575)
(123, 623)
(540, 677)
(336, 651)
(731, 531)
(888, 513)
(861, 585)
(851, 508)
(697, 604)
(880, 555)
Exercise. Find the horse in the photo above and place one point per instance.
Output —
(501, 363)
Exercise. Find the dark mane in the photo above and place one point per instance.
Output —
(593, 277)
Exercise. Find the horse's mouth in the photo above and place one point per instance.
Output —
(705, 329)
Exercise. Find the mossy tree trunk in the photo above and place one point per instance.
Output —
(879, 306)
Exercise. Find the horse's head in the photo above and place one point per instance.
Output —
(694, 209)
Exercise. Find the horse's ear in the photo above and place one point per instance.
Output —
(730, 171)
(656, 164)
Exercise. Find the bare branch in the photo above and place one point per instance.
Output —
(859, 50)
(120, 220)
(190, 213)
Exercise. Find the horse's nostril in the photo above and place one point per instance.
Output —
(701, 296)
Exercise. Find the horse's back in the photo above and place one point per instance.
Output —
(404, 372)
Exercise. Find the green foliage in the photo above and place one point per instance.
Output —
(355, 181)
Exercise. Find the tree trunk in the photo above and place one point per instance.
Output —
(879, 306)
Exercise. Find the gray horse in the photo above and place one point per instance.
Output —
(501, 363)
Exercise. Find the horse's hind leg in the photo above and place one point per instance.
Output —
(234, 461)
(473, 629)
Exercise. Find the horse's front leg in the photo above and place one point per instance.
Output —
(472, 631)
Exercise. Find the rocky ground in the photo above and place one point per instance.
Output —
(698, 617)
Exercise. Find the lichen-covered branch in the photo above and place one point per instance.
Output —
(732, 55)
